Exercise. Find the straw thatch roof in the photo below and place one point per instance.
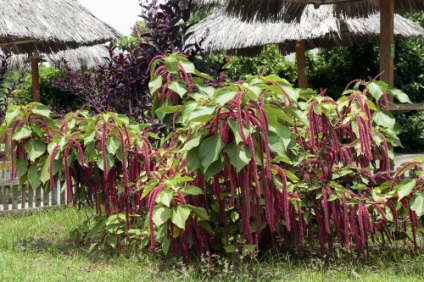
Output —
(48, 26)
(317, 28)
(85, 57)
(289, 10)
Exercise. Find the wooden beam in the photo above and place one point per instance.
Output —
(301, 65)
(387, 47)
(35, 80)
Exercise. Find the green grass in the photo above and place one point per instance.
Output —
(39, 247)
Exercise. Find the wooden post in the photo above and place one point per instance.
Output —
(301, 65)
(35, 80)
(387, 47)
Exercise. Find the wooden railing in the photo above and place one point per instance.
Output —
(15, 196)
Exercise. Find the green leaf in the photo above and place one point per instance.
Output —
(239, 155)
(214, 168)
(188, 66)
(192, 190)
(120, 120)
(178, 87)
(202, 114)
(400, 95)
(21, 167)
(384, 118)
(375, 90)
(201, 213)
(168, 109)
(155, 84)
(180, 215)
(192, 143)
(34, 176)
(208, 90)
(166, 243)
(161, 215)
(171, 64)
(113, 144)
(41, 110)
(34, 149)
(165, 197)
(235, 127)
(230, 248)
(12, 113)
(224, 96)
(210, 150)
(110, 161)
(193, 160)
(22, 133)
(405, 188)
(203, 75)
(417, 204)
(293, 93)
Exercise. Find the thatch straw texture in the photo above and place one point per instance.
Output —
(317, 27)
(85, 57)
(46, 26)
(288, 10)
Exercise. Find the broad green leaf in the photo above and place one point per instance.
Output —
(192, 143)
(21, 167)
(178, 87)
(161, 215)
(171, 64)
(193, 160)
(239, 155)
(400, 95)
(200, 113)
(34, 176)
(210, 150)
(89, 137)
(276, 144)
(155, 84)
(166, 243)
(45, 170)
(235, 127)
(41, 110)
(248, 248)
(121, 120)
(12, 113)
(230, 248)
(201, 213)
(384, 118)
(405, 188)
(180, 215)
(110, 161)
(283, 132)
(192, 190)
(203, 75)
(22, 133)
(34, 149)
(417, 204)
(375, 90)
(214, 168)
(223, 96)
(168, 109)
(208, 90)
(188, 66)
(113, 144)
(165, 197)
(293, 93)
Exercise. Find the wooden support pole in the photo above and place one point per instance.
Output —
(387, 47)
(35, 80)
(301, 64)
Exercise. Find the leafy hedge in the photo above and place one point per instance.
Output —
(246, 167)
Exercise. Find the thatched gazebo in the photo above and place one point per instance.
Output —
(288, 10)
(315, 29)
(49, 26)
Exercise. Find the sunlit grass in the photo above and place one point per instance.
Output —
(39, 247)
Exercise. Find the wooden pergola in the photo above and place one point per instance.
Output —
(387, 50)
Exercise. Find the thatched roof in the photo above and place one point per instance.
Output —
(46, 26)
(289, 10)
(85, 57)
(220, 32)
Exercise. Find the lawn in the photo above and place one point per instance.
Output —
(39, 247)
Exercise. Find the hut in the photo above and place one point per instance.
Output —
(315, 29)
(289, 10)
(36, 27)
